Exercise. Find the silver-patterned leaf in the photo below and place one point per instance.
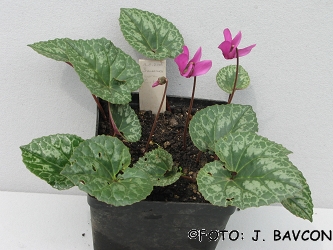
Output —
(99, 167)
(241, 149)
(301, 204)
(150, 34)
(169, 177)
(54, 49)
(212, 123)
(158, 164)
(47, 156)
(106, 70)
(255, 172)
(127, 121)
(225, 78)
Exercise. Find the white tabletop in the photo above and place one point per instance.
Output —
(59, 222)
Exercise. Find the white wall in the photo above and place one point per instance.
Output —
(290, 69)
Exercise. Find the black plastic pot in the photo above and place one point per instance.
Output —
(157, 225)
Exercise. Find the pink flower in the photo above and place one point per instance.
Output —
(155, 84)
(160, 81)
(193, 67)
(229, 45)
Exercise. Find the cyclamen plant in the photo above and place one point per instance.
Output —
(249, 170)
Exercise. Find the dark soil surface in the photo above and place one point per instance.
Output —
(169, 135)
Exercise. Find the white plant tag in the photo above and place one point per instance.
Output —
(150, 98)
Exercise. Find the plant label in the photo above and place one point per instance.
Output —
(150, 98)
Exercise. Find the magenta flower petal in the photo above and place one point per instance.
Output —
(225, 46)
(245, 51)
(202, 68)
(228, 51)
(227, 35)
(235, 42)
(197, 56)
(182, 61)
(186, 52)
(193, 67)
(188, 71)
(229, 45)
(155, 84)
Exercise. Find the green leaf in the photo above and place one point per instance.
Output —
(225, 78)
(106, 70)
(241, 148)
(301, 204)
(150, 34)
(47, 156)
(158, 164)
(127, 121)
(169, 177)
(212, 123)
(54, 49)
(256, 172)
(99, 167)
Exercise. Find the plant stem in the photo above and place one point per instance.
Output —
(189, 113)
(99, 107)
(236, 78)
(112, 123)
(156, 117)
(167, 104)
(198, 156)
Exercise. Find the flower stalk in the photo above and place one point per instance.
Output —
(189, 113)
(161, 81)
(236, 78)
(191, 68)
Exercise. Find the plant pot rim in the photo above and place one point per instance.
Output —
(93, 202)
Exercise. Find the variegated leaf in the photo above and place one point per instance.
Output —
(99, 167)
(212, 123)
(169, 177)
(225, 78)
(158, 164)
(127, 121)
(106, 70)
(240, 149)
(47, 156)
(300, 204)
(54, 49)
(255, 172)
(150, 34)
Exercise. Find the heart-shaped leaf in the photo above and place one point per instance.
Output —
(150, 34)
(256, 172)
(127, 121)
(106, 70)
(212, 123)
(54, 49)
(158, 164)
(47, 156)
(99, 167)
(225, 78)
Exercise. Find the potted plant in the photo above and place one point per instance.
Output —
(235, 166)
